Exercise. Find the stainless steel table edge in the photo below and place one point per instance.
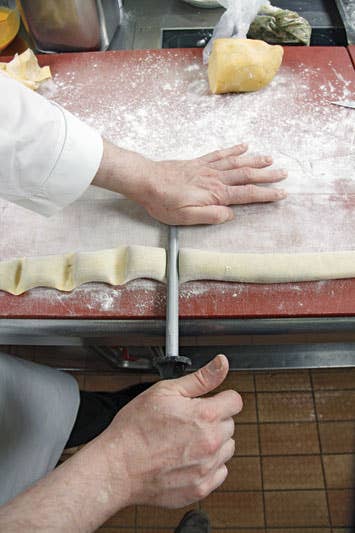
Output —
(200, 339)
(22, 329)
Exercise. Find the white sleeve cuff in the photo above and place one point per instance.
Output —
(74, 169)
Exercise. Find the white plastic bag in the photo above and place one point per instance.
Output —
(235, 22)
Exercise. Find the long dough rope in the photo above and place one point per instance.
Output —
(265, 268)
(120, 265)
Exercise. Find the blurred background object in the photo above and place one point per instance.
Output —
(9, 26)
(71, 25)
(167, 24)
(203, 3)
(280, 26)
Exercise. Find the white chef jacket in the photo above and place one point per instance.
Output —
(48, 157)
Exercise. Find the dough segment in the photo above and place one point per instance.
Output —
(119, 265)
(265, 268)
(66, 272)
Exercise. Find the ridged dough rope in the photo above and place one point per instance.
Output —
(120, 265)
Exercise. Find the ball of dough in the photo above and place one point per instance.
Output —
(242, 65)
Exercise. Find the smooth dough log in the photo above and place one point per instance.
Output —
(265, 268)
(242, 65)
(65, 272)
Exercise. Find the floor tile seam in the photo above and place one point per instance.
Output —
(310, 454)
(233, 529)
(287, 489)
(260, 456)
(291, 489)
(302, 421)
(135, 517)
(321, 451)
(290, 390)
(170, 529)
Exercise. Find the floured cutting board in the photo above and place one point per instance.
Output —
(157, 102)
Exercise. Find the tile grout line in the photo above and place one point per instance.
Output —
(321, 450)
(260, 454)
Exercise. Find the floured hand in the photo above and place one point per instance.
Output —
(196, 191)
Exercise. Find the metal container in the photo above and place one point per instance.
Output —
(71, 25)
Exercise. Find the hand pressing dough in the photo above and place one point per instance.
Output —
(265, 268)
(120, 265)
(242, 65)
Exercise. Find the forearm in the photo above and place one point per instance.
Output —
(76, 497)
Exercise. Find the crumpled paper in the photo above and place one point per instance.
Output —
(280, 26)
(258, 19)
(235, 22)
(25, 69)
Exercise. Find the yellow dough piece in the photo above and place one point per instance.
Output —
(25, 69)
(242, 65)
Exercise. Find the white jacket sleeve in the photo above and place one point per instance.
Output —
(48, 157)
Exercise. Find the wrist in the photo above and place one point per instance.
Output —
(117, 484)
(125, 172)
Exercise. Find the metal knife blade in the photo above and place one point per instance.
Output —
(345, 103)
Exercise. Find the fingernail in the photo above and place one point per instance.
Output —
(268, 160)
(215, 365)
(283, 172)
(282, 193)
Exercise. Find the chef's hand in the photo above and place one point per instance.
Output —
(196, 191)
(173, 444)
(167, 447)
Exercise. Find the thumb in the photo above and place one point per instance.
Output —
(209, 214)
(204, 380)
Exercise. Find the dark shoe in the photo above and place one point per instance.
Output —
(194, 522)
(98, 409)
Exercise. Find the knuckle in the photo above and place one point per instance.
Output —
(202, 490)
(211, 445)
(204, 469)
(200, 378)
(237, 399)
(248, 175)
(261, 160)
(231, 449)
(208, 413)
(225, 472)
(250, 189)
(218, 217)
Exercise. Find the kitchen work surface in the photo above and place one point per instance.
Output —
(157, 102)
(352, 53)
(294, 465)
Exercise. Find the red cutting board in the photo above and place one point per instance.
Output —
(146, 300)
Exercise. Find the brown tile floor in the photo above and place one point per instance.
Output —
(294, 468)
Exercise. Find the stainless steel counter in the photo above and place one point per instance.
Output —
(347, 12)
(144, 21)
